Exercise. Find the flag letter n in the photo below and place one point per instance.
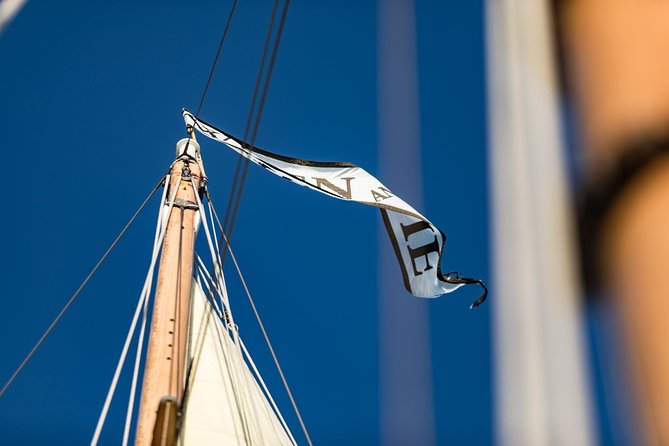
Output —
(345, 193)
(423, 250)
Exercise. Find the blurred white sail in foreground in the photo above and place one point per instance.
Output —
(8, 10)
(542, 392)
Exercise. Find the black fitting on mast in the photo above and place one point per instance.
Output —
(186, 172)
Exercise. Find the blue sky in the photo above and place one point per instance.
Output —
(91, 96)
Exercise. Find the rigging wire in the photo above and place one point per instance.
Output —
(215, 62)
(260, 323)
(249, 120)
(256, 124)
(218, 53)
(76, 293)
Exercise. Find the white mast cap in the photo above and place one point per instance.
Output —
(190, 147)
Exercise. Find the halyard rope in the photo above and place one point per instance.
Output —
(160, 229)
(235, 334)
(260, 323)
(144, 295)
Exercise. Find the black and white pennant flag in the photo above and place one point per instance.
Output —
(418, 243)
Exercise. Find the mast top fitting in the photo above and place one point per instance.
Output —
(188, 147)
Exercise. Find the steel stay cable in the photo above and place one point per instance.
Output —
(246, 161)
(218, 53)
(76, 293)
(260, 323)
(214, 63)
(249, 118)
(270, 70)
(263, 98)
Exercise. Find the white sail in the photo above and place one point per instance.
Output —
(8, 10)
(224, 402)
(542, 390)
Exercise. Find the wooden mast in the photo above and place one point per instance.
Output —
(163, 384)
